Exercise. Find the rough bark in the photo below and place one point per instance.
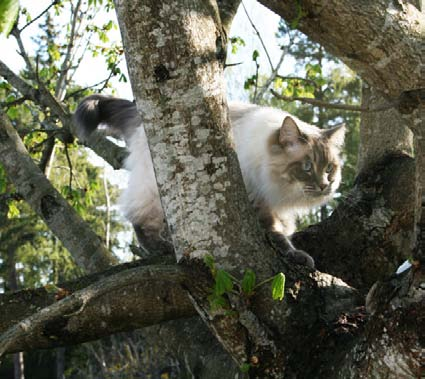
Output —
(382, 133)
(227, 9)
(111, 304)
(85, 246)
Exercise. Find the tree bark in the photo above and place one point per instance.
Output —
(109, 305)
(382, 133)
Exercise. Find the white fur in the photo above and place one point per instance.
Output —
(140, 201)
(251, 131)
(252, 127)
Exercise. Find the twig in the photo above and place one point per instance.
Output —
(69, 164)
(310, 81)
(40, 15)
(232, 64)
(272, 76)
(108, 210)
(257, 66)
(324, 104)
(17, 34)
(61, 83)
(13, 103)
(259, 36)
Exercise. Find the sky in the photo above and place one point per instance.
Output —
(265, 21)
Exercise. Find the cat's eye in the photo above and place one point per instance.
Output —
(307, 165)
(329, 168)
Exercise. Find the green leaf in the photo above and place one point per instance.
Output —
(236, 42)
(244, 367)
(209, 261)
(248, 281)
(278, 286)
(8, 13)
(12, 112)
(3, 180)
(217, 302)
(13, 210)
(223, 282)
(255, 55)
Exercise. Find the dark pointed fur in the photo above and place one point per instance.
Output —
(119, 115)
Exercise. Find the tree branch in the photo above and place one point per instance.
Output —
(62, 80)
(228, 9)
(324, 104)
(272, 75)
(259, 37)
(87, 250)
(110, 305)
(40, 15)
(376, 50)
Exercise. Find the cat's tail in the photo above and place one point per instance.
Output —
(120, 116)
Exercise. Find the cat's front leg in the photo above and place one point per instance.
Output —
(286, 248)
(278, 230)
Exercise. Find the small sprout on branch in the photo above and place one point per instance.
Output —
(278, 286)
(225, 283)
(244, 367)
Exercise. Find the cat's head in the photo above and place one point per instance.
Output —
(308, 158)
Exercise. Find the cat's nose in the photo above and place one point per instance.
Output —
(322, 186)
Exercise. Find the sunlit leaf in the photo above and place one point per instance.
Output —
(8, 13)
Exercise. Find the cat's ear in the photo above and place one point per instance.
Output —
(289, 133)
(335, 135)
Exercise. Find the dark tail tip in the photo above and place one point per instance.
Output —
(87, 116)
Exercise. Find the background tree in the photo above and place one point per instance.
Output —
(32, 256)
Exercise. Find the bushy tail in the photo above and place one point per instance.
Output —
(119, 115)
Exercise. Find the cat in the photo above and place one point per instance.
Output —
(288, 166)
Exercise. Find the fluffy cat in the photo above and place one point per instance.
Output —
(287, 165)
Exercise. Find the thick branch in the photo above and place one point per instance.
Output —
(84, 245)
(387, 52)
(127, 300)
(228, 9)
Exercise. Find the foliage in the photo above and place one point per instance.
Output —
(38, 256)
(225, 284)
(8, 13)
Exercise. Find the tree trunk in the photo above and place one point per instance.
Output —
(382, 133)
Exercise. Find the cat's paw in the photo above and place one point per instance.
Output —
(300, 257)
